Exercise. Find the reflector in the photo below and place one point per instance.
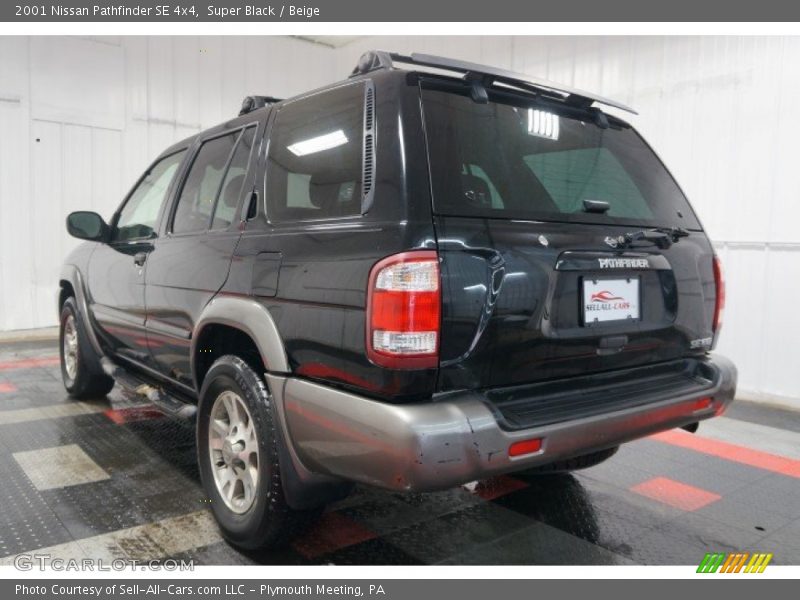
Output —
(525, 447)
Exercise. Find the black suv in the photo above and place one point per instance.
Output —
(410, 279)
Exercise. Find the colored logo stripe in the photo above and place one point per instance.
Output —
(714, 562)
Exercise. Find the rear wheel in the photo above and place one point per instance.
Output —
(237, 448)
(573, 464)
(81, 372)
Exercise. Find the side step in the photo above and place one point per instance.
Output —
(164, 401)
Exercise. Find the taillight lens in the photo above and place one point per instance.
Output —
(719, 305)
(404, 311)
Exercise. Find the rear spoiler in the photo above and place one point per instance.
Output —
(379, 59)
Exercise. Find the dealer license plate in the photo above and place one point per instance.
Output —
(607, 300)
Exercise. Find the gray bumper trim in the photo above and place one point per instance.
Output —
(436, 445)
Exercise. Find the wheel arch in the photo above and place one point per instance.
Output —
(243, 315)
(70, 284)
(235, 317)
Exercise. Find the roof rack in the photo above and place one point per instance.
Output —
(379, 59)
(251, 103)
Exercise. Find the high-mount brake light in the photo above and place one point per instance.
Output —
(404, 311)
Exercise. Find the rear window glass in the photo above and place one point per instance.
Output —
(511, 159)
(315, 164)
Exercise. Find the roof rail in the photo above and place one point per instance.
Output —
(251, 103)
(379, 59)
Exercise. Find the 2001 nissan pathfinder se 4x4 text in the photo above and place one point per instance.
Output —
(408, 279)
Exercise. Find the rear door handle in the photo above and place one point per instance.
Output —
(139, 258)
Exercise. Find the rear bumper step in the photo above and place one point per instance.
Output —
(436, 445)
(524, 407)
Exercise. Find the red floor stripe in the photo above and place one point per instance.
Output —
(332, 532)
(128, 415)
(497, 487)
(7, 388)
(728, 451)
(677, 494)
(28, 363)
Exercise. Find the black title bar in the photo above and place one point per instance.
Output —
(167, 11)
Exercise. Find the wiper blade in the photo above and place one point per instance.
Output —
(675, 233)
(663, 237)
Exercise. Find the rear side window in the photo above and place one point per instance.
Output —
(314, 168)
(511, 159)
(201, 187)
(231, 189)
(214, 183)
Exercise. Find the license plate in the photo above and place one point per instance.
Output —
(607, 300)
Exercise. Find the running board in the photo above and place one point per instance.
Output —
(162, 400)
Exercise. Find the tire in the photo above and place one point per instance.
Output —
(81, 372)
(573, 464)
(261, 517)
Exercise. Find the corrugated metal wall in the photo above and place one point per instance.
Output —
(80, 119)
(722, 113)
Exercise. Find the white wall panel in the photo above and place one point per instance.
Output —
(102, 109)
(186, 68)
(43, 234)
(160, 79)
(75, 80)
(107, 185)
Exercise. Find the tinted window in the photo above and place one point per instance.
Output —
(571, 176)
(509, 159)
(137, 219)
(231, 189)
(199, 193)
(315, 167)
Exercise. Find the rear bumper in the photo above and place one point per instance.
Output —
(436, 445)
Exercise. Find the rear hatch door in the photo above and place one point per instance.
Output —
(566, 246)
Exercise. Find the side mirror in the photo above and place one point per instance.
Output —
(87, 225)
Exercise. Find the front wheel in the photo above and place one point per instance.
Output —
(237, 448)
(81, 372)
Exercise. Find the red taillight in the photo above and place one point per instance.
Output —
(404, 310)
(525, 447)
(719, 305)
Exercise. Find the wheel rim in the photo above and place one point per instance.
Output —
(70, 347)
(233, 446)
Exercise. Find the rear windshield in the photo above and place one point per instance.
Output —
(513, 159)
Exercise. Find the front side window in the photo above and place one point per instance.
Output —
(315, 157)
(137, 219)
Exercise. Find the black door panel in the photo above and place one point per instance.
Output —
(187, 269)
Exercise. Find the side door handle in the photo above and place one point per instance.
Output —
(139, 258)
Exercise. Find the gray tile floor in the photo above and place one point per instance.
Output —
(114, 478)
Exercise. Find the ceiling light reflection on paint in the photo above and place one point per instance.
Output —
(319, 143)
